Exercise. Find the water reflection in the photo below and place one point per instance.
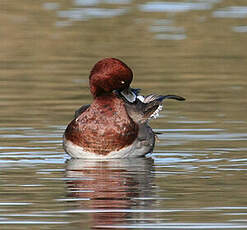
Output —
(95, 2)
(175, 7)
(165, 30)
(231, 12)
(81, 14)
(240, 29)
(111, 188)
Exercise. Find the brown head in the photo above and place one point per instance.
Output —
(108, 75)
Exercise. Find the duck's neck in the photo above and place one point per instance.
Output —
(107, 98)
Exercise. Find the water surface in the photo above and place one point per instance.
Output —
(196, 177)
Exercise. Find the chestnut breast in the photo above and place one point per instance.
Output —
(104, 127)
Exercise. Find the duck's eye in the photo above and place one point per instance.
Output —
(122, 82)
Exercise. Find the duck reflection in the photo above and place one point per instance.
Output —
(112, 188)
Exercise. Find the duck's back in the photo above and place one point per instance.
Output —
(103, 128)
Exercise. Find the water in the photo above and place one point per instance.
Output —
(196, 177)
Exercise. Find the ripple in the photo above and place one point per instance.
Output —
(208, 137)
(189, 130)
(192, 122)
(51, 5)
(174, 6)
(170, 36)
(231, 12)
(240, 29)
(164, 30)
(82, 14)
(95, 2)
(14, 203)
(177, 226)
(33, 222)
(172, 29)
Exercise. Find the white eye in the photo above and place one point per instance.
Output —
(122, 82)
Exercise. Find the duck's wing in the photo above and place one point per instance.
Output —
(148, 107)
(79, 111)
(153, 104)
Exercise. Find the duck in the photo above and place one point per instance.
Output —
(116, 123)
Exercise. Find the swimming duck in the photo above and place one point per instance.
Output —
(115, 125)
